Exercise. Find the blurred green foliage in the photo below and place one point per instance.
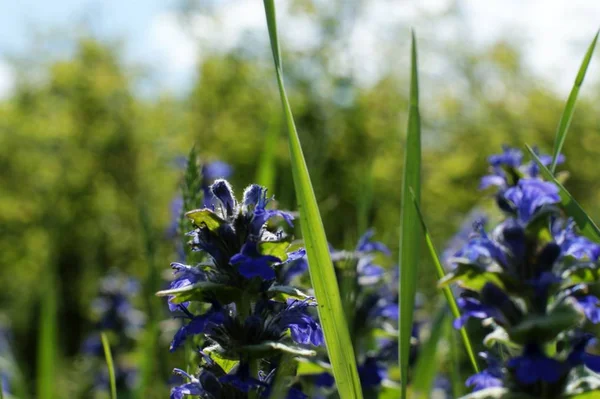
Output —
(88, 167)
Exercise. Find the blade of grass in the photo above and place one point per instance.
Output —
(586, 225)
(409, 229)
(322, 274)
(110, 365)
(47, 338)
(428, 361)
(446, 290)
(567, 115)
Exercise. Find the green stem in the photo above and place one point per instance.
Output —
(254, 369)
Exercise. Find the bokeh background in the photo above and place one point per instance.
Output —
(99, 100)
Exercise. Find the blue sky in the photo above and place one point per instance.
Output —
(553, 33)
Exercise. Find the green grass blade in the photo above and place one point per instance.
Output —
(285, 373)
(110, 365)
(409, 229)
(267, 165)
(446, 290)
(428, 361)
(586, 225)
(567, 115)
(47, 342)
(322, 274)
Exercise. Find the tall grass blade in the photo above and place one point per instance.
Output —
(567, 115)
(447, 291)
(428, 361)
(409, 229)
(47, 353)
(322, 274)
(110, 365)
(285, 373)
(586, 225)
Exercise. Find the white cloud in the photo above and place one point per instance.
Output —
(554, 35)
(7, 80)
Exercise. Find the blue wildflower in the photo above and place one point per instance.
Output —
(488, 378)
(244, 266)
(529, 196)
(533, 366)
(591, 307)
(371, 373)
(250, 263)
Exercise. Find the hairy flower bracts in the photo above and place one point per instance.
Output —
(532, 280)
(236, 303)
(195, 192)
(115, 315)
(371, 304)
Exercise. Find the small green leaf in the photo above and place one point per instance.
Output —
(546, 327)
(320, 267)
(567, 115)
(499, 336)
(226, 364)
(205, 217)
(110, 365)
(277, 249)
(287, 291)
(409, 229)
(471, 277)
(203, 291)
(266, 349)
(587, 227)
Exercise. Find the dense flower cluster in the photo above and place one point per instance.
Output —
(195, 192)
(531, 280)
(371, 302)
(115, 314)
(239, 310)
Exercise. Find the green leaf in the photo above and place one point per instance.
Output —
(322, 274)
(269, 348)
(205, 217)
(110, 365)
(428, 361)
(587, 227)
(277, 249)
(546, 327)
(446, 279)
(288, 291)
(226, 364)
(470, 276)
(567, 115)
(409, 229)
(202, 291)
(499, 336)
